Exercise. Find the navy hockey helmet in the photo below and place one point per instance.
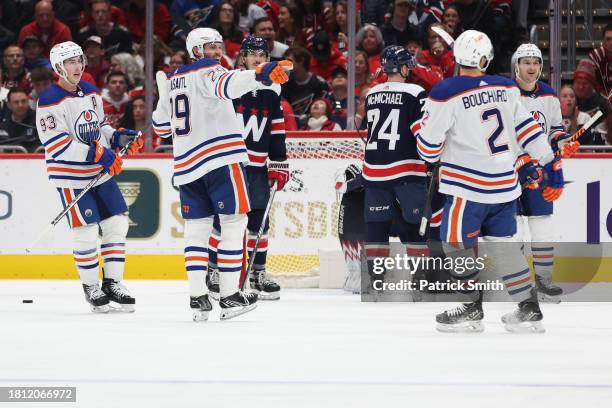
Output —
(393, 57)
(253, 44)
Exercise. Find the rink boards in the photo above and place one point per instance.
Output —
(303, 218)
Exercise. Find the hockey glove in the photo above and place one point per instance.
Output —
(529, 175)
(278, 172)
(554, 180)
(273, 72)
(105, 157)
(559, 142)
(569, 149)
(121, 137)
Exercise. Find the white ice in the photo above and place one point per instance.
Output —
(320, 348)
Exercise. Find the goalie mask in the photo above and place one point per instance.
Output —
(62, 52)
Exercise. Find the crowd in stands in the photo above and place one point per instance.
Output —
(311, 33)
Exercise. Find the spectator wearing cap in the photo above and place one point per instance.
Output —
(19, 126)
(136, 24)
(115, 38)
(42, 78)
(115, 97)
(97, 65)
(602, 58)
(398, 30)
(370, 39)
(46, 27)
(195, 13)
(338, 98)
(33, 54)
(265, 29)
(303, 87)
(16, 75)
(226, 23)
(588, 99)
(439, 54)
(318, 116)
(325, 56)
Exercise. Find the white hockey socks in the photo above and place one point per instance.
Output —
(230, 253)
(542, 245)
(114, 232)
(85, 251)
(197, 233)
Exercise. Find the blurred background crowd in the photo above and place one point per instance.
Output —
(311, 33)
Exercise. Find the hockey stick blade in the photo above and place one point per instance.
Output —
(448, 39)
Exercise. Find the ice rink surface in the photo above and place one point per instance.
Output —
(313, 348)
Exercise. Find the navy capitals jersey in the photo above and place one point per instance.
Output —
(264, 125)
(391, 155)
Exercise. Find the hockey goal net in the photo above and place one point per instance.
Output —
(304, 216)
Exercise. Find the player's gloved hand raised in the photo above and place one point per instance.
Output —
(104, 156)
(273, 72)
(559, 141)
(554, 180)
(529, 175)
(278, 172)
(569, 149)
(122, 137)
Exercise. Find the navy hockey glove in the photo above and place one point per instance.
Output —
(121, 137)
(529, 175)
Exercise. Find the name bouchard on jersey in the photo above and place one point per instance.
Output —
(484, 97)
(177, 83)
(393, 98)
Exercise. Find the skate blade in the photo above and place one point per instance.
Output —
(230, 313)
(199, 315)
(100, 309)
(267, 296)
(122, 308)
(548, 299)
(464, 327)
(214, 295)
(525, 327)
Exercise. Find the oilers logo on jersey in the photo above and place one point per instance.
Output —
(540, 118)
(87, 127)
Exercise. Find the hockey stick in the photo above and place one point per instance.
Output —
(589, 124)
(77, 198)
(430, 194)
(259, 234)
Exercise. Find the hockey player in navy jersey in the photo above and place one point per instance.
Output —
(392, 170)
(264, 134)
(476, 126)
(542, 102)
(196, 109)
(79, 144)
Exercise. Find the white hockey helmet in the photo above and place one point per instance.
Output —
(63, 51)
(470, 47)
(198, 37)
(523, 51)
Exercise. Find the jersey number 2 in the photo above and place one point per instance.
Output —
(180, 108)
(387, 131)
(486, 116)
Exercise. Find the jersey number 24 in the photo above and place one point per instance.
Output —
(387, 131)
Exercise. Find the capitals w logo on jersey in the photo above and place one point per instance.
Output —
(87, 127)
(541, 119)
(254, 127)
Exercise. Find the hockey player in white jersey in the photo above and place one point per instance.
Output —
(542, 102)
(79, 144)
(475, 125)
(196, 109)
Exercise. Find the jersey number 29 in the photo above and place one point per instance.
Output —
(180, 110)
(387, 131)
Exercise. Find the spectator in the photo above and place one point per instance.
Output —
(602, 58)
(46, 27)
(397, 31)
(178, 58)
(16, 75)
(129, 65)
(362, 71)
(3, 94)
(226, 23)
(325, 56)
(414, 47)
(452, 21)
(19, 126)
(116, 15)
(439, 55)
(425, 13)
(340, 26)
(303, 87)
(161, 54)
(272, 9)
(265, 29)
(290, 25)
(590, 101)
(196, 13)
(338, 98)
(373, 12)
(573, 118)
(97, 65)
(318, 117)
(289, 115)
(134, 117)
(33, 53)
(42, 78)
(136, 24)
(115, 38)
(248, 13)
(370, 40)
(361, 124)
(115, 97)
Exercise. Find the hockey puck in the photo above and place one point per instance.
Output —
(27, 301)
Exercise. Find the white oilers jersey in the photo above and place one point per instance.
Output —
(200, 117)
(544, 105)
(67, 123)
(476, 127)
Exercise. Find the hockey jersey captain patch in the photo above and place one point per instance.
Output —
(87, 127)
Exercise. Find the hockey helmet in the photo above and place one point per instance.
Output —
(63, 51)
(253, 44)
(470, 47)
(524, 51)
(393, 57)
(199, 37)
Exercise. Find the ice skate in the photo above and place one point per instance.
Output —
(200, 308)
(212, 282)
(97, 300)
(527, 318)
(265, 287)
(547, 292)
(465, 318)
(237, 304)
(118, 294)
